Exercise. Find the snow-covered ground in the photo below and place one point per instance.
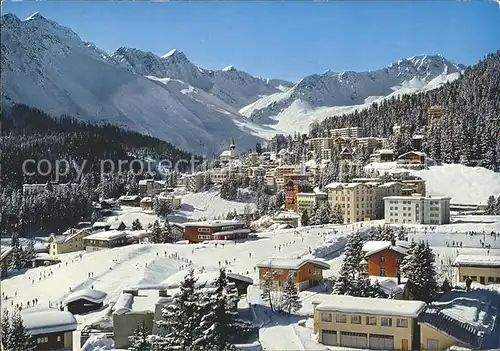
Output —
(150, 265)
(465, 185)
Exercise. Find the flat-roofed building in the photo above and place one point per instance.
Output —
(483, 269)
(350, 132)
(367, 323)
(417, 209)
(357, 201)
(215, 230)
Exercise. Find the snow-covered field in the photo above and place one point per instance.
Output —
(149, 265)
(465, 185)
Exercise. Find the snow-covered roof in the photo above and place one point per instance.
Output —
(417, 197)
(280, 263)
(144, 181)
(226, 153)
(477, 261)
(45, 257)
(92, 295)
(76, 233)
(418, 153)
(364, 305)
(387, 284)
(217, 223)
(128, 197)
(388, 184)
(385, 151)
(373, 246)
(5, 252)
(239, 277)
(146, 199)
(100, 225)
(49, 321)
(123, 304)
(108, 235)
(333, 185)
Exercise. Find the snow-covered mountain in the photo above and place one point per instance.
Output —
(351, 88)
(48, 66)
(234, 87)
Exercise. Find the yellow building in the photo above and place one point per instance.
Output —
(480, 268)
(367, 323)
(306, 200)
(69, 243)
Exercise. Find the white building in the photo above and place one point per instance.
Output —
(417, 209)
(230, 154)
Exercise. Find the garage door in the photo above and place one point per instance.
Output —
(358, 340)
(381, 342)
(328, 337)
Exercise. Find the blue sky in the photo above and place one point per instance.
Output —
(284, 39)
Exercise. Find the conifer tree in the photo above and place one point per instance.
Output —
(136, 225)
(291, 300)
(156, 234)
(16, 257)
(304, 219)
(5, 329)
(139, 341)
(19, 338)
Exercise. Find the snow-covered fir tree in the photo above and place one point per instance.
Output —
(136, 225)
(181, 317)
(291, 300)
(139, 340)
(156, 233)
(161, 207)
(16, 256)
(418, 266)
(19, 338)
(337, 216)
(5, 329)
(304, 218)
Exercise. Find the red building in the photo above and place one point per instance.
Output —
(215, 230)
(291, 189)
(384, 257)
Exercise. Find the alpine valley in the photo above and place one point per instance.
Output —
(49, 67)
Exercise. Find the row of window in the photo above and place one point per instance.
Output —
(384, 321)
(203, 237)
(45, 339)
(488, 279)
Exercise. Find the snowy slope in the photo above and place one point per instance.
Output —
(49, 67)
(354, 88)
(234, 87)
(465, 185)
(300, 114)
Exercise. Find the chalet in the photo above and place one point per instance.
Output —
(100, 226)
(384, 257)
(306, 272)
(241, 282)
(367, 323)
(346, 154)
(68, 243)
(412, 158)
(147, 203)
(480, 268)
(382, 155)
(51, 329)
(44, 259)
(118, 225)
(291, 189)
(215, 230)
(83, 301)
(105, 240)
(467, 319)
(342, 141)
(130, 200)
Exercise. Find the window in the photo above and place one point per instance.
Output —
(382, 271)
(473, 278)
(402, 323)
(326, 317)
(341, 318)
(386, 322)
(491, 279)
(43, 340)
(398, 259)
(382, 259)
(371, 320)
(355, 319)
(59, 338)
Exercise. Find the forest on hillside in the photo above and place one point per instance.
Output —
(28, 133)
(468, 132)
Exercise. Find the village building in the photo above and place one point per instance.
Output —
(350, 132)
(194, 182)
(307, 200)
(287, 219)
(367, 323)
(100, 226)
(413, 186)
(281, 172)
(50, 329)
(384, 190)
(215, 230)
(383, 258)
(44, 259)
(118, 225)
(382, 155)
(466, 319)
(417, 209)
(230, 154)
(256, 172)
(306, 272)
(147, 203)
(412, 159)
(84, 300)
(105, 240)
(369, 143)
(219, 175)
(151, 187)
(291, 189)
(130, 200)
(482, 269)
(68, 243)
(357, 201)
(172, 201)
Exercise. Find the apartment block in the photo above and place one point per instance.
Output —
(306, 200)
(417, 209)
(348, 132)
(356, 200)
(194, 182)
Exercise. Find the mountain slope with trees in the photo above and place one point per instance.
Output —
(468, 131)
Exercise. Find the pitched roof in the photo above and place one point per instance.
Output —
(477, 261)
(92, 295)
(372, 247)
(48, 321)
(280, 263)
